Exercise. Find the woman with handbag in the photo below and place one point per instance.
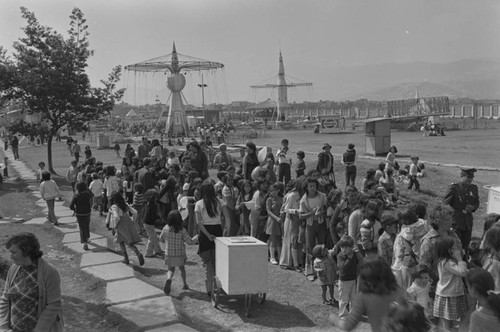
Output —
(124, 230)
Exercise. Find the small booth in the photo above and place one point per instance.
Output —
(103, 141)
(377, 136)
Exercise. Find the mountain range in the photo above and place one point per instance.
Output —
(471, 78)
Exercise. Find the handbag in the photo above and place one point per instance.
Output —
(410, 259)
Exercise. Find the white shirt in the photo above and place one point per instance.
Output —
(205, 218)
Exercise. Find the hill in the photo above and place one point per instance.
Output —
(472, 78)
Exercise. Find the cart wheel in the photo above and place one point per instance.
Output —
(215, 293)
(248, 301)
(261, 297)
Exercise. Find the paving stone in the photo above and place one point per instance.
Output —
(149, 312)
(78, 247)
(173, 328)
(75, 237)
(110, 272)
(36, 221)
(136, 289)
(58, 208)
(98, 258)
(42, 201)
(67, 227)
(67, 220)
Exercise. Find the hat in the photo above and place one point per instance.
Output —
(326, 145)
(350, 146)
(222, 144)
(468, 172)
(185, 186)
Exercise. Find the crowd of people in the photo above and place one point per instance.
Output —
(365, 240)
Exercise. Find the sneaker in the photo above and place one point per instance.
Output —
(273, 261)
(159, 253)
(166, 289)
(85, 247)
(311, 278)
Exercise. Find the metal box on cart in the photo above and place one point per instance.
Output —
(241, 265)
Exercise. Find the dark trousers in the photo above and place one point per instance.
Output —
(414, 181)
(464, 235)
(84, 225)
(350, 175)
(284, 173)
(77, 156)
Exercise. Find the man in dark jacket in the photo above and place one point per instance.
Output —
(464, 199)
(325, 162)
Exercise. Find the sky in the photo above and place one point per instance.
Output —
(247, 35)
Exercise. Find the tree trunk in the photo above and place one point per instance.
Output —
(49, 152)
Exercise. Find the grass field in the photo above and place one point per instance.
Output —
(294, 304)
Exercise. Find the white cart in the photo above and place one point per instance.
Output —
(240, 268)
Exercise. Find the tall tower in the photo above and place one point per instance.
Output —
(282, 105)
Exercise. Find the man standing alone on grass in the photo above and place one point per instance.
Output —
(349, 161)
(464, 199)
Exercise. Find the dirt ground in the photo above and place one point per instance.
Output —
(293, 303)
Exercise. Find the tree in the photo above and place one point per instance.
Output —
(48, 76)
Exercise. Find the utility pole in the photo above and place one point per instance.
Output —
(203, 86)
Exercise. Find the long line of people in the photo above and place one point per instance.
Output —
(346, 239)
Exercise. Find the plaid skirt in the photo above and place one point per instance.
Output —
(450, 308)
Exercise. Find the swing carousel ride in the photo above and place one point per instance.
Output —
(282, 106)
(175, 67)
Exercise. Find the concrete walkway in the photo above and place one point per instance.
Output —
(141, 303)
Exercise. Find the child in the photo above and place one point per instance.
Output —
(173, 159)
(486, 316)
(419, 289)
(123, 228)
(117, 150)
(41, 169)
(174, 236)
(324, 266)
(412, 174)
(128, 188)
(300, 168)
(404, 259)
(148, 217)
(96, 187)
(49, 191)
(380, 172)
(273, 225)
(246, 194)
(385, 246)
(81, 204)
(138, 203)
(450, 304)
(492, 260)
(347, 263)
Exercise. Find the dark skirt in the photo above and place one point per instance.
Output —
(204, 242)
